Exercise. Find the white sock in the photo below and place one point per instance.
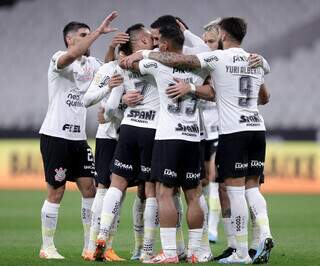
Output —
(110, 208)
(204, 245)
(239, 218)
(113, 230)
(255, 231)
(168, 241)
(151, 222)
(206, 191)
(258, 207)
(214, 209)
(138, 223)
(229, 232)
(95, 217)
(49, 219)
(86, 205)
(194, 243)
(180, 239)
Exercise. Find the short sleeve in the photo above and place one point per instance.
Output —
(54, 61)
(147, 66)
(209, 60)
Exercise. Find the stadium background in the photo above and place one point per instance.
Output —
(286, 33)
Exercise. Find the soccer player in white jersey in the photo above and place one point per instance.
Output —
(65, 152)
(106, 79)
(132, 160)
(178, 135)
(241, 150)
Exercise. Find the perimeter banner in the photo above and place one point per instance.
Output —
(291, 167)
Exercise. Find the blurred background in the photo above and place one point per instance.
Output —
(286, 33)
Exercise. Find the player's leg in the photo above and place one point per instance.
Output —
(145, 138)
(190, 182)
(233, 166)
(84, 173)
(255, 199)
(124, 169)
(213, 197)
(138, 221)
(55, 158)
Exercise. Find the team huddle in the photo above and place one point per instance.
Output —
(173, 119)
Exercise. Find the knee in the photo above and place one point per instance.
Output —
(55, 195)
(88, 191)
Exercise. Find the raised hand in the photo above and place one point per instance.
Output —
(119, 38)
(105, 25)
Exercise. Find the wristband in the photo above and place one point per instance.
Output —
(193, 88)
(145, 54)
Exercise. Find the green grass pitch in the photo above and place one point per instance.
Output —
(295, 223)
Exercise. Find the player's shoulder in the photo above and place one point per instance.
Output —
(56, 55)
(108, 67)
(212, 56)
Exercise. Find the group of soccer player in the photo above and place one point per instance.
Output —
(163, 107)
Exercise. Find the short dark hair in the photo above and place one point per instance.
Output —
(72, 26)
(164, 20)
(174, 34)
(127, 47)
(236, 27)
(181, 21)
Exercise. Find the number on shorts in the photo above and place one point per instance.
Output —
(90, 155)
(245, 87)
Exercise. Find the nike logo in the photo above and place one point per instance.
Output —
(47, 216)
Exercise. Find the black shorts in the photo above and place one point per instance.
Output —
(132, 158)
(203, 173)
(103, 156)
(176, 163)
(241, 154)
(210, 148)
(65, 160)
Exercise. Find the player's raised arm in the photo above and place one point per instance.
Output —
(264, 95)
(78, 47)
(119, 38)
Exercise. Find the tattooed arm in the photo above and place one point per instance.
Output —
(175, 60)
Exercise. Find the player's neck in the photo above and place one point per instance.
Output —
(231, 44)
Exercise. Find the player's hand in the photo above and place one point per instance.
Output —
(105, 25)
(101, 119)
(181, 26)
(128, 61)
(115, 81)
(178, 90)
(132, 98)
(119, 38)
(255, 60)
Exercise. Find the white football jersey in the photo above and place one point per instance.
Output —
(98, 92)
(210, 118)
(177, 119)
(145, 114)
(237, 88)
(66, 114)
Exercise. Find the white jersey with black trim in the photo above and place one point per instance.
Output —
(99, 91)
(145, 114)
(177, 119)
(66, 114)
(237, 88)
(210, 119)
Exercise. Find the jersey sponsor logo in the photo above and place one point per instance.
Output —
(181, 70)
(74, 100)
(121, 165)
(149, 65)
(60, 174)
(192, 176)
(239, 58)
(104, 82)
(71, 128)
(250, 120)
(241, 166)
(211, 58)
(170, 173)
(145, 169)
(136, 115)
(258, 164)
(188, 130)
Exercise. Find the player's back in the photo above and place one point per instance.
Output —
(178, 119)
(237, 89)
